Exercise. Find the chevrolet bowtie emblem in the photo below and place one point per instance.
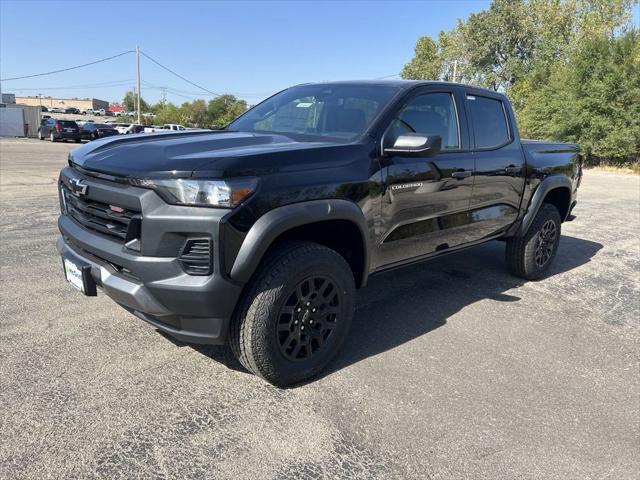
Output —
(78, 187)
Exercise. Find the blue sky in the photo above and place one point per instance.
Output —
(250, 49)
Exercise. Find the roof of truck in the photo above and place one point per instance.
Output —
(404, 84)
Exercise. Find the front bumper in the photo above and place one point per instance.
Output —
(150, 281)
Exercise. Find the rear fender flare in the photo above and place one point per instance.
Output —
(541, 192)
(279, 220)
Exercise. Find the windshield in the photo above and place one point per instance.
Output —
(337, 111)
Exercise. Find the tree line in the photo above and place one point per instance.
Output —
(570, 67)
(217, 112)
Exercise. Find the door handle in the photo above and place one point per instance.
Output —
(512, 169)
(460, 174)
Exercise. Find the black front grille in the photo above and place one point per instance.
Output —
(195, 256)
(101, 217)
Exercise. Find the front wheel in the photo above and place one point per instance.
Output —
(40, 137)
(530, 256)
(294, 314)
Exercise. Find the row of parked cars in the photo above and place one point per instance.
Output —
(77, 111)
(97, 112)
(55, 129)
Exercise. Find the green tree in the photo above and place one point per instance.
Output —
(223, 109)
(426, 63)
(130, 102)
(592, 100)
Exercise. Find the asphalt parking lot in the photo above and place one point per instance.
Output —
(453, 369)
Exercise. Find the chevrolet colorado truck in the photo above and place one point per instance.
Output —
(260, 233)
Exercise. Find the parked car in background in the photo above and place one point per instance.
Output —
(173, 126)
(153, 128)
(73, 110)
(149, 115)
(57, 110)
(43, 108)
(55, 130)
(87, 111)
(135, 128)
(121, 127)
(93, 131)
(100, 111)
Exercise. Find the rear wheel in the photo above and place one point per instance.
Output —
(52, 137)
(40, 137)
(530, 256)
(294, 314)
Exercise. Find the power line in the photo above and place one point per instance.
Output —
(67, 69)
(180, 76)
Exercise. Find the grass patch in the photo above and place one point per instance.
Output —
(627, 168)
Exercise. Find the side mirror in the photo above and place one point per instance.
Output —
(416, 145)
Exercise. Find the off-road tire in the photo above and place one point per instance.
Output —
(254, 336)
(523, 253)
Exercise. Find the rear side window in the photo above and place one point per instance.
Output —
(67, 124)
(488, 120)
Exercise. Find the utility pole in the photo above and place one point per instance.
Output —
(455, 69)
(163, 98)
(138, 62)
(40, 98)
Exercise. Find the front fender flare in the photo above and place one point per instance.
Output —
(279, 220)
(550, 183)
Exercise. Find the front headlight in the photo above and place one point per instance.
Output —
(203, 193)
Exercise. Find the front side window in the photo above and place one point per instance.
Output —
(429, 114)
(335, 111)
(488, 121)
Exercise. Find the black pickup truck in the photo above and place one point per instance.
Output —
(261, 232)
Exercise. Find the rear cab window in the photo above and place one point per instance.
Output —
(488, 121)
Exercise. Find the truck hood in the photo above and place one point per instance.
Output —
(212, 154)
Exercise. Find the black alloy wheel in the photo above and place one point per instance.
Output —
(545, 243)
(294, 314)
(308, 318)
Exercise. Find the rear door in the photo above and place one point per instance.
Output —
(499, 176)
(426, 200)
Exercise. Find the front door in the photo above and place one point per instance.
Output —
(426, 200)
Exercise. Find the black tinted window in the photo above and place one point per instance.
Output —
(430, 114)
(68, 124)
(488, 120)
